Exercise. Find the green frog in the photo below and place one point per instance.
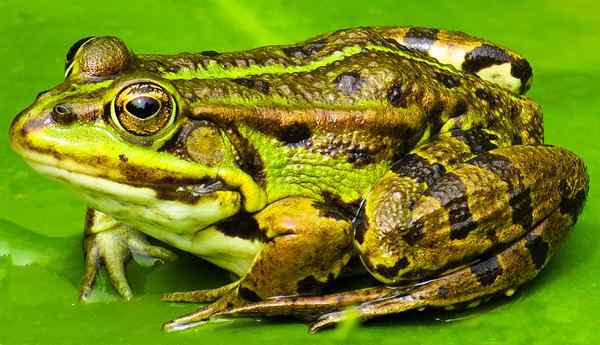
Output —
(408, 153)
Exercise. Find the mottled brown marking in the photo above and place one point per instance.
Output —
(538, 249)
(476, 139)
(392, 272)
(452, 195)
(487, 271)
(418, 168)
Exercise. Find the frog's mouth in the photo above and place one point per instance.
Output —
(180, 208)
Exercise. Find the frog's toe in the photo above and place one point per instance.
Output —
(147, 254)
(199, 296)
(111, 250)
(92, 265)
(202, 315)
(327, 320)
(115, 267)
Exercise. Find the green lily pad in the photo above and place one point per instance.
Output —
(41, 220)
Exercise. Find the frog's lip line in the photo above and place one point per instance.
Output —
(69, 170)
(73, 173)
(95, 183)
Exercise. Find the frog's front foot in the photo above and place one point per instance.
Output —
(113, 249)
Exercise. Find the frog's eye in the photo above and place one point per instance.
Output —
(143, 109)
(97, 57)
(72, 51)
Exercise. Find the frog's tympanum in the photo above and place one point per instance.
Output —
(412, 151)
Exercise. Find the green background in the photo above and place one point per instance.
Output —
(40, 220)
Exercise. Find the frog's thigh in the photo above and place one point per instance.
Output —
(488, 202)
(499, 273)
(309, 244)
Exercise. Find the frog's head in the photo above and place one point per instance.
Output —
(121, 136)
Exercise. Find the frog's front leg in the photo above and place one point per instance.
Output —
(307, 243)
(111, 244)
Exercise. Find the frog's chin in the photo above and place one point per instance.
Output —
(178, 209)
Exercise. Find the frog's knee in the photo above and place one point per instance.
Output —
(487, 60)
(303, 217)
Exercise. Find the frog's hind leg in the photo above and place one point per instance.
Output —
(470, 54)
(499, 273)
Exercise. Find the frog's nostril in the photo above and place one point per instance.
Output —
(63, 113)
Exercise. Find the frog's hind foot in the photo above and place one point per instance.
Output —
(201, 316)
(199, 296)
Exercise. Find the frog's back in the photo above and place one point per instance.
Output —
(378, 83)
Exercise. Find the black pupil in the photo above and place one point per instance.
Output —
(143, 107)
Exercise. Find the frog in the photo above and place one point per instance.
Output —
(407, 155)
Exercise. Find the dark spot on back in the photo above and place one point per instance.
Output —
(349, 82)
(242, 226)
(294, 51)
(314, 47)
(123, 158)
(251, 83)
(443, 292)
(391, 272)
(487, 271)
(476, 139)
(359, 157)
(417, 167)
(210, 53)
(397, 95)
(487, 96)
(448, 80)
(484, 56)
(460, 107)
(420, 39)
(452, 195)
(538, 249)
(294, 134)
(304, 51)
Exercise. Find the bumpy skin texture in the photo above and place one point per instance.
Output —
(411, 149)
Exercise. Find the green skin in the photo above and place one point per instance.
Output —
(409, 148)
